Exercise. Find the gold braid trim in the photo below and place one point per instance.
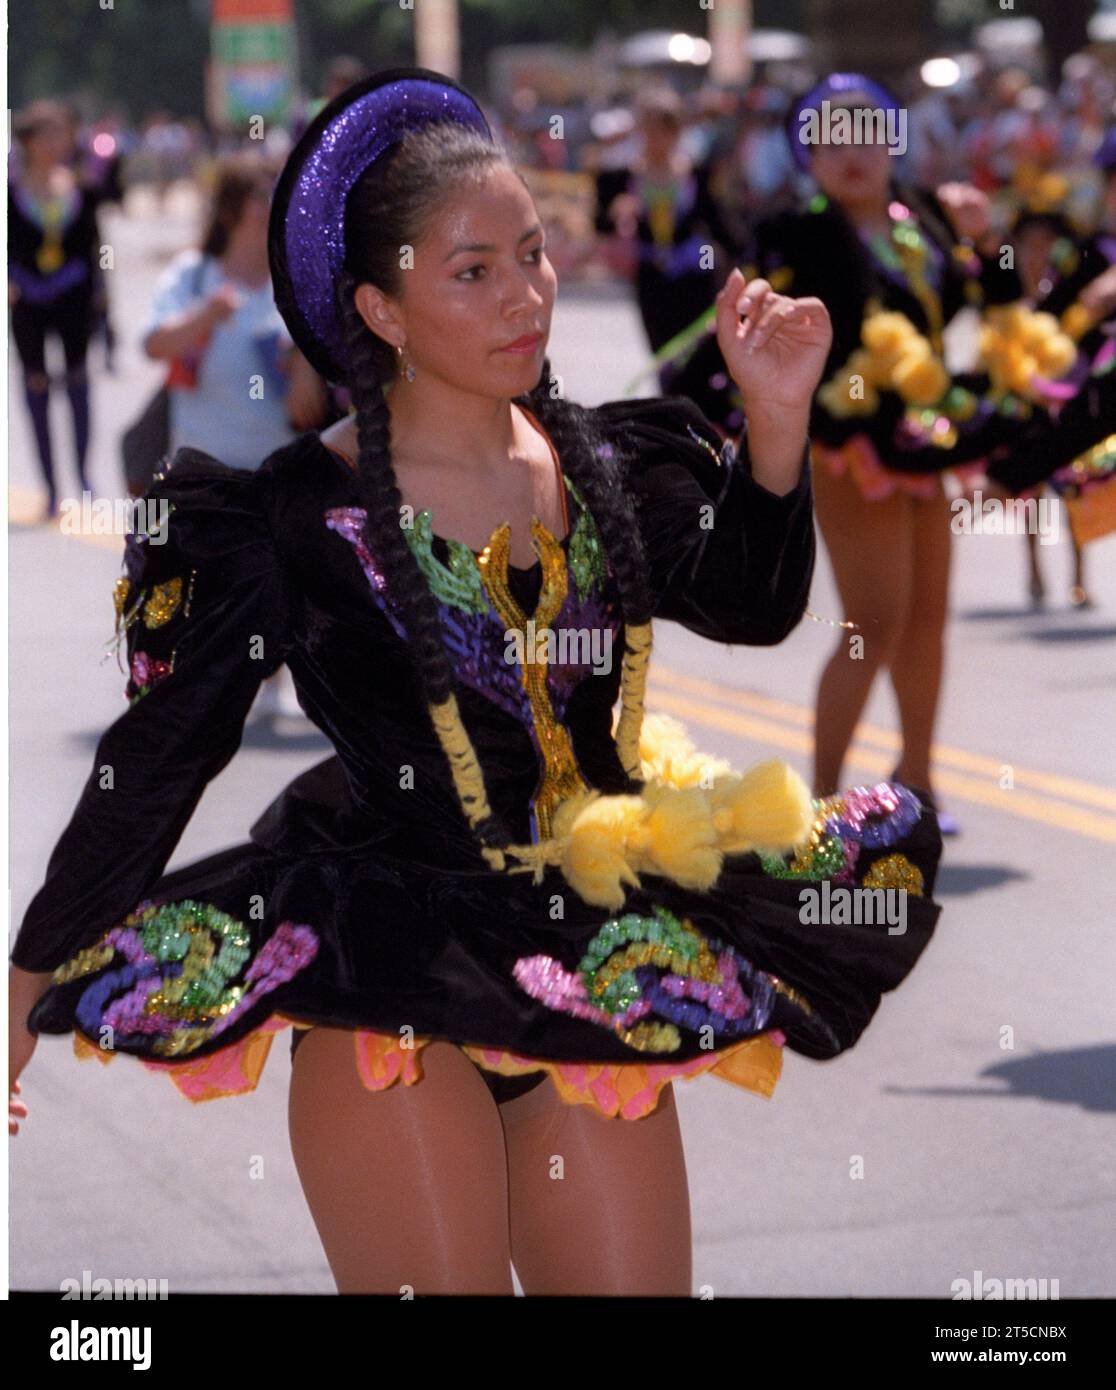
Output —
(633, 692)
(465, 769)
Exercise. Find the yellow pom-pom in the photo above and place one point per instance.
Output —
(1056, 355)
(886, 332)
(1037, 329)
(567, 811)
(771, 808)
(1077, 320)
(596, 860)
(920, 378)
(683, 840)
(669, 755)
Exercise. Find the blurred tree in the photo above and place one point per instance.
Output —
(884, 41)
(141, 55)
(123, 56)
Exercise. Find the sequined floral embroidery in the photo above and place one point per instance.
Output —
(644, 977)
(163, 603)
(861, 817)
(146, 671)
(156, 606)
(188, 974)
(896, 871)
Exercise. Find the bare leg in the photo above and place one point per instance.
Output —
(1037, 587)
(1079, 594)
(407, 1186)
(870, 549)
(917, 666)
(598, 1206)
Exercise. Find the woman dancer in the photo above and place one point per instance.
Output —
(664, 212)
(893, 272)
(532, 920)
(53, 274)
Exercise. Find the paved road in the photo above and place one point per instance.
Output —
(974, 1157)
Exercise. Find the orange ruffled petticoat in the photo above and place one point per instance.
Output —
(629, 1090)
(872, 477)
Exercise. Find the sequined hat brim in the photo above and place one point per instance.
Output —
(832, 88)
(306, 233)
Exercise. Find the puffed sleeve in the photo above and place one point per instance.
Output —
(203, 610)
(727, 558)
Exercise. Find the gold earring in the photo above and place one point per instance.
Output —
(405, 367)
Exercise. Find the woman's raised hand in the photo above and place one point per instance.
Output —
(774, 347)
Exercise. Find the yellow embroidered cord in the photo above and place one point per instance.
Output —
(633, 693)
(465, 768)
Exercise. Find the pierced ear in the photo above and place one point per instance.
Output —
(379, 314)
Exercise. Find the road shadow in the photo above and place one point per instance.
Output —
(1072, 634)
(956, 880)
(1081, 1076)
(994, 615)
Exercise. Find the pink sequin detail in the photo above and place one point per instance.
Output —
(146, 670)
(544, 979)
(348, 522)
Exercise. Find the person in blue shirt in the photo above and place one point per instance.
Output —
(238, 386)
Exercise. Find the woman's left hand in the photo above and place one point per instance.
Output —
(968, 209)
(774, 347)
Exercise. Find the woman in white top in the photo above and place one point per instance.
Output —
(239, 388)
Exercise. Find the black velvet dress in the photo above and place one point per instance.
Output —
(362, 899)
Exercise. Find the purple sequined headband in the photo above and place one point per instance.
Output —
(832, 88)
(306, 234)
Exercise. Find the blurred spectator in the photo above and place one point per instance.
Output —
(53, 272)
(239, 389)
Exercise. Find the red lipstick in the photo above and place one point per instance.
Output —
(524, 346)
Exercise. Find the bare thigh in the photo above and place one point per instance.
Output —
(871, 549)
(597, 1206)
(407, 1186)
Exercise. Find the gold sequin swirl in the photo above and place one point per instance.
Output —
(560, 776)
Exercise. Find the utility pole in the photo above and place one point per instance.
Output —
(730, 27)
(437, 41)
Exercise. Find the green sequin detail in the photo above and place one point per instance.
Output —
(663, 929)
(184, 931)
(824, 860)
(587, 561)
(456, 584)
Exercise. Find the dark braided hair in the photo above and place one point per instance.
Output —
(386, 210)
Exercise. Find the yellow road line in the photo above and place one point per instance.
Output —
(1071, 788)
(1024, 804)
